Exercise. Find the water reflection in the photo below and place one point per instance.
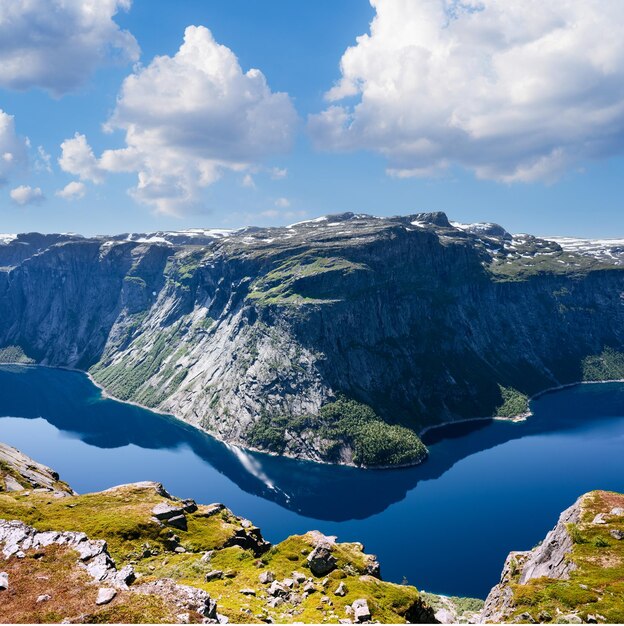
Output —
(70, 402)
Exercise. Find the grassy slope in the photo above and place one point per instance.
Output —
(122, 518)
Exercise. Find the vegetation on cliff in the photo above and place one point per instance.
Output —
(349, 430)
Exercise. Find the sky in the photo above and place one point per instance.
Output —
(144, 115)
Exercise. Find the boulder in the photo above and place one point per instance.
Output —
(179, 522)
(341, 590)
(215, 574)
(618, 510)
(105, 595)
(361, 612)
(4, 581)
(248, 592)
(165, 511)
(267, 577)
(617, 534)
(277, 589)
(321, 561)
(600, 519)
(298, 577)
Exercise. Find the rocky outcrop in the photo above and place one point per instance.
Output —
(420, 319)
(556, 583)
(550, 559)
(16, 538)
(19, 472)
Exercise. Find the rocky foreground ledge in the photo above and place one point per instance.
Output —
(135, 553)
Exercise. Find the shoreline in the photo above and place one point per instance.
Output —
(521, 417)
(108, 396)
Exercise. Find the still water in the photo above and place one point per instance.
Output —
(446, 526)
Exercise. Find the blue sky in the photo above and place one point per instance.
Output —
(379, 143)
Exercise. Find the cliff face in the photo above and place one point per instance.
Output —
(271, 337)
(574, 576)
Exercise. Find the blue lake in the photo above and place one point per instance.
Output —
(446, 526)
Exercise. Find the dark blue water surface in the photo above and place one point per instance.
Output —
(446, 526)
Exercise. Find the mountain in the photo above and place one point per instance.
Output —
(336, 339)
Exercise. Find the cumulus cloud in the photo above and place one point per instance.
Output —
(514, 91)
(72, 191)
(57, 44)
(13, 149)
(77, 158)
(186, 119)
(24, 194)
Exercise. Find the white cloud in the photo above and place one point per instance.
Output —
(282, 203)
(13, 149)
(514, 91)
(77, 158)
(187, 118)
(248, 181)
(57, 44)
(278, 173)
(25, 194)
(72, 191)
(43, 160)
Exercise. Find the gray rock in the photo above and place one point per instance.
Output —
(321, 561)
(298, 577)
(275, 602)
(617, 534)
(266, 577)
(179, 550)
(361, 612)
(105, 595)
(4, 581)
(526, 617)
(619, 511)
(288, 582)
(248, 592)
(165, 511)
(570, 619)
(277, 589)
(600, 519)
(43, 598)
(178, 521)
(214, 574)
(341, 590)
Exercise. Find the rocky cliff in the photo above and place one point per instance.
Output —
(574, 576)
(336, 339)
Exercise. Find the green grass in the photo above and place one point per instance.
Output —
(122, 518)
